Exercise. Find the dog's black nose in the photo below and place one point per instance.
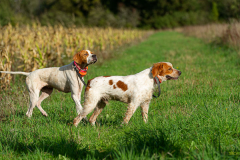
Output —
(179, 72)
(94, 57)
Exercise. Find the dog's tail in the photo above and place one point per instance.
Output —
(23, 73)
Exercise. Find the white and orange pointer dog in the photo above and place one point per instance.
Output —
(63, 78)
(136, 90)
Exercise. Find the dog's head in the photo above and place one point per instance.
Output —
(85, 57)
(165, 71)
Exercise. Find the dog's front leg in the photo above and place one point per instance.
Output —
(145, 107)
(131, 109)
(76, 98)
(96, 112)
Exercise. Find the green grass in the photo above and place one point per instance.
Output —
(196, 117)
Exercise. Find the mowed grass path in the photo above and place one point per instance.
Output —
(196, 117)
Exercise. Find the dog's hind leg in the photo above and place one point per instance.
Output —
(34, 95)
(89, 105)
(97, 111)
(46, 92)
(33, 102)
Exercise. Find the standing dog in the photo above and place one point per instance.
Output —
(136, 90)
(63, 78)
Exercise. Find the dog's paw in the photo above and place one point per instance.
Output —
(28, 115)
(76, 121)
(45, 114)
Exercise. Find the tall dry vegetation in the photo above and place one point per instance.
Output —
(30, 48)
(5, 65)
(224, 34)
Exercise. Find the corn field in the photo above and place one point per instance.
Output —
(33, 47)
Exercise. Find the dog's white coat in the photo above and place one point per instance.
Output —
(136, 90)
(64, 79)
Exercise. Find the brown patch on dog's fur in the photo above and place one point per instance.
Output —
(81, 57)
(122, 85)
(161, 69)
(114, 87)
(110, 82)
(165, 70)
(155, 69)
(88, 85)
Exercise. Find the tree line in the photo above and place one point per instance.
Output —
(156, 14)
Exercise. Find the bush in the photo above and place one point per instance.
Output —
(6, 13)
(180, 19)
(61, 18)
(214, 14)
(101, 17)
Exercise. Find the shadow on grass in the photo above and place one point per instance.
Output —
(144, 142)
(57, 148)
(133, 144)
(101, 120)
(116, 121)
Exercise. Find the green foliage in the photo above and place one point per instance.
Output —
(228, 9)
(101, 17)
(119, 13)
(214, 14)
(179, 19)
(196, 117)
(6, 13)
(62, 18)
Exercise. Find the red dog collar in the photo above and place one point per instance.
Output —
(160, 81)
(83, 72)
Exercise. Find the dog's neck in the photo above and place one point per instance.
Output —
(161, 78)
(146, 78)
(82, 66)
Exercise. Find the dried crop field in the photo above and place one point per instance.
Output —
(32, 47)
(223, 34)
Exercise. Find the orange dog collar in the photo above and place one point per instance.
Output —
(81, 71)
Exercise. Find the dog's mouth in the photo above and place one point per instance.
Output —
(93, 61)
(171, 78)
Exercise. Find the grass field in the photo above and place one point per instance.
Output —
(196, 117)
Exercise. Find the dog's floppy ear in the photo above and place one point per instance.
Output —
(77, 57)
(157, 69)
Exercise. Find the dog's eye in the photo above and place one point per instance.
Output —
(86, 54)
(170, 69)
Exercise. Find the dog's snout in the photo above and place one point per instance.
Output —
(179, 72)
(94, 56)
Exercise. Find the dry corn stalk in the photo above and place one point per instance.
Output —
(5, 65)
(36, 46)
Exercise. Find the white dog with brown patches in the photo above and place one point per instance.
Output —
(63, 78)
(136, 90)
